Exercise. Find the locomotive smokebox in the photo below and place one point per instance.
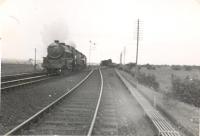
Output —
(55, 50)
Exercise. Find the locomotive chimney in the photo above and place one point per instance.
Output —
(56, 41)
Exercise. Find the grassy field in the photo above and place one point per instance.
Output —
(10, 69)
(163, 75)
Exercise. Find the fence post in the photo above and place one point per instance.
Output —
(154, 101)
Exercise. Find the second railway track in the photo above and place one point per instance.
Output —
(14, 81)
(74, 113)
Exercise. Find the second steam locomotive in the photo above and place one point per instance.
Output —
(61, 57)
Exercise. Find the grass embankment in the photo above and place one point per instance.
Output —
(170, 86)
(163, 75)
(183, 82)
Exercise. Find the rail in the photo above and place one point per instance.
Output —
(97, 106)
(20, 75)
(13, 83)
(23, 79)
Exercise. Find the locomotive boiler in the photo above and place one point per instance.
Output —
(61, 57)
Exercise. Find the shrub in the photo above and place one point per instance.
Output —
(150, 67)
(130, 65)
(148, 80)
(186, 90)
(120, 68)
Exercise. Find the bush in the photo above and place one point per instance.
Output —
(148, 80)
(186, 90)
(176, 67)
(130, 65)
(188, 68)
(150, 67)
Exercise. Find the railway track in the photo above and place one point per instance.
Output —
(161, 124)
(74, 113)
(14, 81)
(106, 122)
(20, 75)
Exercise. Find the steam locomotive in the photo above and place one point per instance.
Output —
(61, 57)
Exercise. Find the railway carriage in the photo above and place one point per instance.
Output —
(61, 57)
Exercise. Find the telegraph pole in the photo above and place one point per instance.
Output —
(136, 61)
(138, 33)
(120, 58)
(91, 43)
(35, 60)
(89, 53)
(124, 53)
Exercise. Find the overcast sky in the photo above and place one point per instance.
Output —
(170, 29)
